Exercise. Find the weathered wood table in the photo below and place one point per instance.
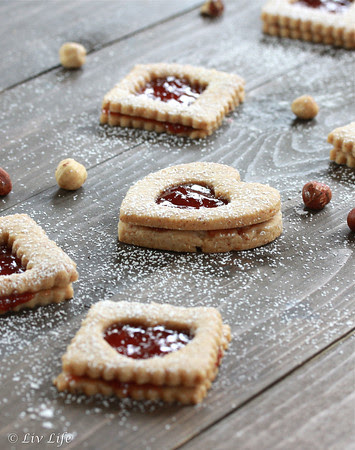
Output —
(287, 380)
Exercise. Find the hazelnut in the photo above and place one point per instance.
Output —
(351, 220)
(316, 195)
(5, 183)
(212, 8)
(72, 55)
(305, 107)
(70, 174)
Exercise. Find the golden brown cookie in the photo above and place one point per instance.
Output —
(343, 139)
(33, 270)
(199, 206)
(323, 21)
(173, 98)
(145, 351)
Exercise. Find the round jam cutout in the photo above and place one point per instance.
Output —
(332, 6)
(139, 342)
(172, 90)
(190, 196)
(9, 263)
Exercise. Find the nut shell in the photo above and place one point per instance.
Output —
(316, 195)
(351, 220)
(5, 183)
(212, 8)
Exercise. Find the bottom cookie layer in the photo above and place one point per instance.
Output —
(213, 241)
(115, 119)
(341, 157)
(31, 300)
(88, 386)
(336, 39)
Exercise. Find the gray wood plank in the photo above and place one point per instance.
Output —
(283, 417)
(32, 31)
(57, 114)
(278, 322)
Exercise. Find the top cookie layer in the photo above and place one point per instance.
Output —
(90, 355)
(222, 92)
(47, 266)
(248, 203)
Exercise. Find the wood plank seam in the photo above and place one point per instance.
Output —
(318, 354)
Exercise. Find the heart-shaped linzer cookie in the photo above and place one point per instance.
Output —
(221, 200)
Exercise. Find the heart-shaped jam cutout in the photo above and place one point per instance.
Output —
(172, 90)
(139, 342)
(9, 263)
(332, 6)
(190, 196)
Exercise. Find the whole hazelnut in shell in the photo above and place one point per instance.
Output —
(316, 195)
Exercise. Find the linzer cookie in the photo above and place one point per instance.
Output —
(33, 269)
(323, 21)
(343, 139)
(145, 351)
(199, 207)
(173, 98)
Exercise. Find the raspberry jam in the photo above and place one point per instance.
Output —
(172, 90)
(139, 342)
(332, 6)
(10, 302)
(9, 263)
(190, 196)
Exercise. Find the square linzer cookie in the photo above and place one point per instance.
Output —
(173, 98)
(145, 351)
(343, 139)
(33, 269)
(323, 21)
(199, 206)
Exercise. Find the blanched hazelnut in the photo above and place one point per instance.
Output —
(305, 107)
(72, 55)
(70, 174)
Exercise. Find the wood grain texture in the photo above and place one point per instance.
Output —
(285, 302)
(32, 31)
(283, 417)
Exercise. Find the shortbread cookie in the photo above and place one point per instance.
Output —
(199, 206)
(209, 241)
(173, 98)
(33, 269)
(145, 351)
(343, 139)
(322, 21)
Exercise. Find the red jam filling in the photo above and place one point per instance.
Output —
(140, 342)
(172, 90)
(190, 196)
(331, 6)
(10, 302)
(10, 264)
